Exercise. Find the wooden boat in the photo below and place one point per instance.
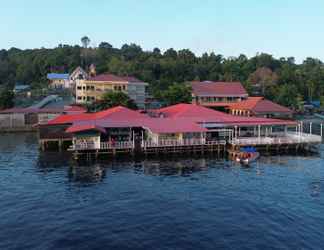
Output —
(247, 156)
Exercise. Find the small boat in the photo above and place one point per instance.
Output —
(247, 156)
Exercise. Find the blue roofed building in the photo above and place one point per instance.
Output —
(59, 81)
(20, 87)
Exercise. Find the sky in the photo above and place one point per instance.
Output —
(282, 28)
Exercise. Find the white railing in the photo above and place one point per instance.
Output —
(184, 142)
(84, 146)
(144, 144)
(117, 145)
(288, 138)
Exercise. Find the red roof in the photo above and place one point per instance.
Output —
(113, 78)
(116, 113)
(178, 118)
(203, 114)
(119, 112)
(218, 89)
(74, 109)
(86, 127)
(189, 110)
(260, 105)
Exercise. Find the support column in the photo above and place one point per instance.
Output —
(259, 132)
(60, 144)
(310, 127)
(235, 129)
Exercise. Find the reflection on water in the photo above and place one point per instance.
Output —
(49, 201)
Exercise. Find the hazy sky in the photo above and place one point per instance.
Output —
(229, 27)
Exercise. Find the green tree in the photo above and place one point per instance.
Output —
(112, 99)
(177, 93)
(6, 98)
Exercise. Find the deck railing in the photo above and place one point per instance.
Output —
(144, 144)
(278, 139)
(117, 145)
(184, 142)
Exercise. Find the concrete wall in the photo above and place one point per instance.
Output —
(12, 120)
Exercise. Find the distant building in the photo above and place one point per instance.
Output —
(217, 94)
(78, 74)
(59, 81)
(21, 88)
(92, 89)
(24, 119)
(260, 107)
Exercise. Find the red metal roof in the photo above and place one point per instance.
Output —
(180, 118)
(74, 109)
(85, 127)
(265, 106)
(189, 110)
(113, 78)
(248, 104)
(260, 105)
(218, 89)
(116, 113)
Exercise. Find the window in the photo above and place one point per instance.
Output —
(88, 87)
(92, 87)
(84, 87)
(124, 87)
(79, 97)
(79, 87)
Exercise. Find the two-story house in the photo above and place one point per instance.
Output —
(59, 81)
(92, 89)
(217, 94)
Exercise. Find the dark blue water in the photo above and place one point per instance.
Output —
(49, 202)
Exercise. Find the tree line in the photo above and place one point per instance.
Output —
(279, 79)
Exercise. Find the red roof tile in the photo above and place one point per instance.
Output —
(260, 105)
(218, 89)
(265, 106)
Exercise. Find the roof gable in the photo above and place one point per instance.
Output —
(260, 105)
(220, 89)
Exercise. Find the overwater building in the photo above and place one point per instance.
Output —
(182, 126)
